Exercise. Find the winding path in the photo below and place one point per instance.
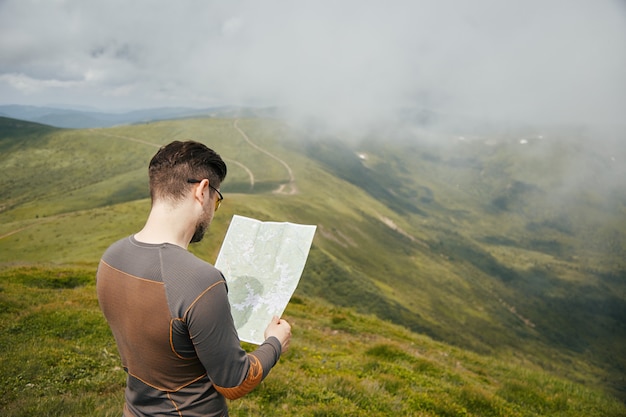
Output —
(245, 168)
(145, 142)
(286, 188)
(130, 138)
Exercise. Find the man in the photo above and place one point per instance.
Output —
(169, 310)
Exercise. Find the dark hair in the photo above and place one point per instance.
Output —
(176, 162)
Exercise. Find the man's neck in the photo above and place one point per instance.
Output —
(166, 225)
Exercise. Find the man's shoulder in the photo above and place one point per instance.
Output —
(164, 262)
(185, 268)
(119, 243)
(119, 249)
(188, 278)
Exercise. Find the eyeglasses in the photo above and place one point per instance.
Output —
(220, 196)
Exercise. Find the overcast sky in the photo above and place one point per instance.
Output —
(353, 60)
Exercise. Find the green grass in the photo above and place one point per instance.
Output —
(60, 359)
(58, 354)
(478, 247)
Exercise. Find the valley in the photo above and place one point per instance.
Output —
(507, 247)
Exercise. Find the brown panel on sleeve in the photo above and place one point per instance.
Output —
(254, 378)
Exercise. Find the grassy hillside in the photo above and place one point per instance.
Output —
(59, 359)
(485, 244)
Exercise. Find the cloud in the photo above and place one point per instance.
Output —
(349, 62)
(29, 85)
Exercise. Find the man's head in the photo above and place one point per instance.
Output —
(178, 169)
(176, 163)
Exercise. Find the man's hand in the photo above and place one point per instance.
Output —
(281, 330)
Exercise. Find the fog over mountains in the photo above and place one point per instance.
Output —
(80, 119)
(345, 64)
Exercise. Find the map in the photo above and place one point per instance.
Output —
(262, 263)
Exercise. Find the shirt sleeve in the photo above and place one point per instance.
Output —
(234, 372)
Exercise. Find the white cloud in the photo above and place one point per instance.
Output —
(349, 61)
(29, 85)
(232, 26)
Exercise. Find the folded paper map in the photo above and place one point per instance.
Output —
(262, 263)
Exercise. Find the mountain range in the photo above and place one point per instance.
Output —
(89, 118)
(508, 244)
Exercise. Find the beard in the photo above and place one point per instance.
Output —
(198, 234)
(201, 228)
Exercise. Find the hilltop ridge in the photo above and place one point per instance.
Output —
(502, 248)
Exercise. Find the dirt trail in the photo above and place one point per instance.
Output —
(99, 131)
(130, 138)
(36, 222)
(12, 232)
(245, 168)
(286, 188)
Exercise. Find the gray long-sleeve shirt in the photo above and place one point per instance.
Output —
(169, 313)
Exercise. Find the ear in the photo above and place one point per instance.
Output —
(199, 190)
